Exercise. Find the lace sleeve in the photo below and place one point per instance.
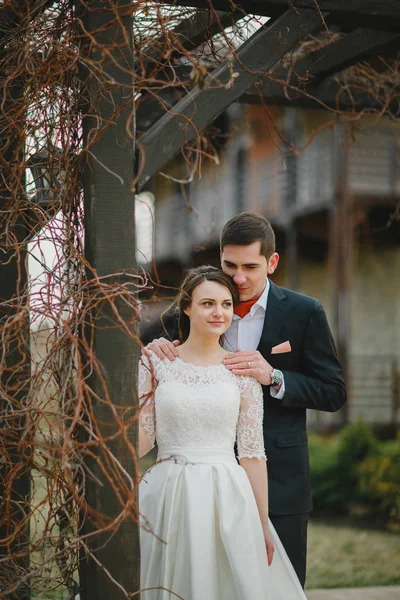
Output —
(147, 384)
(250, 440)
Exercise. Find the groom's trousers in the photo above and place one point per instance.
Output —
(292, 531)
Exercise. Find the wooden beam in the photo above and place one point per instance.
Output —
(111, 569)
(200, 107)
(305, 79)
(330, 94)
(190, 33)
(305, 73)
(352, 48)
(151, 107)
(375, 14)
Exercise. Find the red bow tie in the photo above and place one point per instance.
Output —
(243, 308)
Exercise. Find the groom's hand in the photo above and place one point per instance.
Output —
(162, 348)
(249, 362)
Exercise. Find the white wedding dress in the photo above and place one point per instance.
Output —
(201, 535)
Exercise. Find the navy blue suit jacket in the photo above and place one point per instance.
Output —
(313, 379)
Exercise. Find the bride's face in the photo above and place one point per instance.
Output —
(211, 309)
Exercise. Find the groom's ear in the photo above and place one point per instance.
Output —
(273, 263)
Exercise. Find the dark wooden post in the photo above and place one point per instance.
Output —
(110, 567)
(342, 253)
(15, 448)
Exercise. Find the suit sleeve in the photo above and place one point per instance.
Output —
(320, 385)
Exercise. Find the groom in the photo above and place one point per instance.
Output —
(283, 339)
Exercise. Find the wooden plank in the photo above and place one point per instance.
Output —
(151, 107)
(354, 47)
(112, 570)
(200, 107)
(307, 73)
(376, 14)
(329, 94)
(191, 32)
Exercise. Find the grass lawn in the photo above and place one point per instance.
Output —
(340, 555)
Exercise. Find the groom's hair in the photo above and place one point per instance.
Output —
(245, 229)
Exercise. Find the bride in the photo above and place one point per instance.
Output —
(205, 532)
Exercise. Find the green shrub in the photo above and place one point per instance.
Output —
(379, 485)
(328, 496)
(356, 442)
(334, 467)
(353, 473)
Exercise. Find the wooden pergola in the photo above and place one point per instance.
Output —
(369, 29)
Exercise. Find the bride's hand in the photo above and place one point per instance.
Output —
(269, 544)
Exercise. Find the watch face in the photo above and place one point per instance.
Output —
(277, 376)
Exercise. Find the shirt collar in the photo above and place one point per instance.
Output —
(263, 299)
(261, 302)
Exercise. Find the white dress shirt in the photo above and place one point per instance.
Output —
(245, 333)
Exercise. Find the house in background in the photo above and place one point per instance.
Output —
(333, 205)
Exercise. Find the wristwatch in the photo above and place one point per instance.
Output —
(276, 377)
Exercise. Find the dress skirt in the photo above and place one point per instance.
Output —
(201, 536)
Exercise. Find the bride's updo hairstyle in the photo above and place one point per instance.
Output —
(192, 280)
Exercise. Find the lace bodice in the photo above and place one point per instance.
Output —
(188, 406)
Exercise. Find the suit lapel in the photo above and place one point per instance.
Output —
(274, 319)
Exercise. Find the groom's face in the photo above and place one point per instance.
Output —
(248, 268)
